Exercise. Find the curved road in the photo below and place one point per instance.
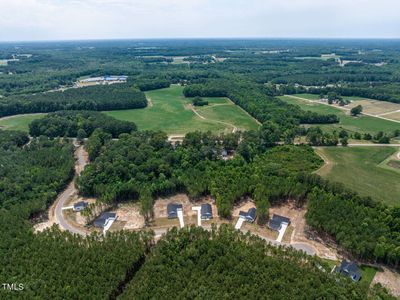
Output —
(68, 192)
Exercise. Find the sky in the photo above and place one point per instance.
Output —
(23, 20)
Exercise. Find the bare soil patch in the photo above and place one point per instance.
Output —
(388, 279)
(129, 215)
(300, 232)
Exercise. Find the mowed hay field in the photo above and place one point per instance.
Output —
(19, 122)
(362, 124)
(363, 169)
(171, 112)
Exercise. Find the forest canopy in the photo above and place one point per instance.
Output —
(79, 124)
(102, 97)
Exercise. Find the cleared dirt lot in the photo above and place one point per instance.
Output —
(388, 279)
(300, 232)
(393, 116)
(375, 107)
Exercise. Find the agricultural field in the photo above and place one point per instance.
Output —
(362, 124)
(170, 111)
(19, 122)
(363, 169)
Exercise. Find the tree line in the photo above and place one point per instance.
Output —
(80, 124)
(110, 97)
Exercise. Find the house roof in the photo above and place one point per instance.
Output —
(243, 214)
(173, 207)
(251, 213)
(274, 225)
(80, 204)
(351, 269)
(104, 217)
(206, 209)
(280, 219)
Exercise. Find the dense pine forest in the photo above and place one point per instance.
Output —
(224, 264)
(118, 96)
(79, 124)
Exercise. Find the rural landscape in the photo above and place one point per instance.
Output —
(207, 168)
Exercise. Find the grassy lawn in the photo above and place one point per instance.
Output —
(360, 169)
(368, 274)
(171, 113)
(362, 124)
(19, 122)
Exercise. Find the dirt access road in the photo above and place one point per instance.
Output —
(81, 162)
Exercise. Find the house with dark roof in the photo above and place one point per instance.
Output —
(349, 269)
(79, 206)
(250, 215)
(206, 211)
(104, 219)
(172, 210)
(276, 222)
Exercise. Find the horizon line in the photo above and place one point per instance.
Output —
(198, 38)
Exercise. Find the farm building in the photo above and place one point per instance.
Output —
(206, 211)
(104, 219)
(79, 206)
(277, 221)
(349, 269)
(172, 210)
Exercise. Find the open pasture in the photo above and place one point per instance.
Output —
(170, 111)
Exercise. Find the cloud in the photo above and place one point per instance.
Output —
(83, 19)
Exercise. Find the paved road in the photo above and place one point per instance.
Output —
(68, 192)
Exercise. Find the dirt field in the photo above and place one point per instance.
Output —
(129, 215)
(388, 279)
(393, 116)
(375, 107)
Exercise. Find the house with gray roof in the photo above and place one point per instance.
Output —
(276, 222)
(349, 269)
(79, 206)
(172, 210)
(206, 211)
(104, 219)
(250, 215)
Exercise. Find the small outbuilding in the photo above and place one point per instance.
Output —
(349, 269)
(172, 210)
(104, 219)
(79, 206)
(206, 211)
(276, 222)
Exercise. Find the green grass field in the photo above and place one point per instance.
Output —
(362, 169)
(20, 122)
(362, 124)
(170, 111)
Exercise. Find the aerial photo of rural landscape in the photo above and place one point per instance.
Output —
(199, 157)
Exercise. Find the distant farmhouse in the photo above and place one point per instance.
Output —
(104, 219)
(349, 269)
(277, 221)
(104, 80)
(172, 210)
(206, 212)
